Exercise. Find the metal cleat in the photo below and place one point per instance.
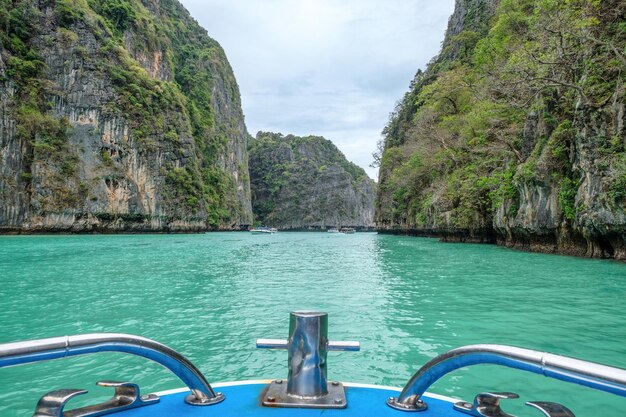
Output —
(51, 404)
(486, 404)
(126, 396)
(551, 409)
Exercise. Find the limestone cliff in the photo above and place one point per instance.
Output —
(307, 183)
(117, 115)
(515, 132)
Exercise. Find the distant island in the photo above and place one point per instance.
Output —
(306, 183)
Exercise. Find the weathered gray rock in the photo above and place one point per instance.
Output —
(554, 182)
(133, 156)
(470, 15)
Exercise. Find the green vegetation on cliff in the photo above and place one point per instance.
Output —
(45, 136)
(148, 70)
(516, 131)
(302, 182)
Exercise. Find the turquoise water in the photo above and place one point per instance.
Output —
(210, 296)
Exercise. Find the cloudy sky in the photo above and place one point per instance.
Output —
(333, 68)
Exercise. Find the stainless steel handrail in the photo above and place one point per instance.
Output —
(18, 353)
(589, 374)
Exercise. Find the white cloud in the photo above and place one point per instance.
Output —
(333, 68)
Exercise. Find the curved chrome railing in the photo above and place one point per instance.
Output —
(589, 374)
(18, 353)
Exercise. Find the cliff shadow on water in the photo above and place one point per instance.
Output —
(515, 132)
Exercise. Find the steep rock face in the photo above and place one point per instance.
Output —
(469, 19)
(306, 182)
(117, 116)
(515, 132)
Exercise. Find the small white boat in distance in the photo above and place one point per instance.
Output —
(263, 230)
(333, 230)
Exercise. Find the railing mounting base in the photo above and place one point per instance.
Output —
(193, 400)
(419, 405)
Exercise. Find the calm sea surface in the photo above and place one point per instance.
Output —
(209, 296)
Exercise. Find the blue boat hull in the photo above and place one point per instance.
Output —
(243, 399)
